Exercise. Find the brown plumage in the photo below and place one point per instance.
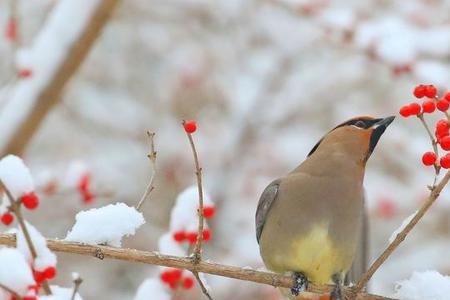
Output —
(310, 221)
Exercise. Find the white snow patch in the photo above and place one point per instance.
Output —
(105, 225)
(398, 230)
(429, 285)
(168, 246)
(45, 258)
(15, 273)
(152, 289)
(184, 212)
(16, 176)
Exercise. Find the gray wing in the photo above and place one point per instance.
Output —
(265, 202)
(361, 258)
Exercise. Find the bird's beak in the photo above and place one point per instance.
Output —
(378, 130)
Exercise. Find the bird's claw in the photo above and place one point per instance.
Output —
(300, 283)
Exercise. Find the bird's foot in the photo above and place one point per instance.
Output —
(336, 293)
(300, 283)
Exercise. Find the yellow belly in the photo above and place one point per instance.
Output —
(314, 254)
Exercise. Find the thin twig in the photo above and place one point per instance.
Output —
(202, 285)
(15, 209)
(16, 296)
(434, 194)
(197, 253)
(76, 285)
(155, 258)
(198, 173)
(152, 156)
(437, 168)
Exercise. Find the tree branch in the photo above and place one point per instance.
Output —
(434, 194)
(154, 258)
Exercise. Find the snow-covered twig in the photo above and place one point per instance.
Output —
(32, 99)
(434, 194)
(152, 156)
(154, 258)
(5, 288)
(76, 285)
(15, 209)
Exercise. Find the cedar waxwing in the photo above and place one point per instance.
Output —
(310, 222)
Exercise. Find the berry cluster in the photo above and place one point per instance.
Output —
(84, 188)
(181, 236)
(29, 200)
(174, 278)
(431, 102)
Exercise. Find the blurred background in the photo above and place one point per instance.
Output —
(264, 80)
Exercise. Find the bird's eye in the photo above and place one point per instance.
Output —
(360, 124)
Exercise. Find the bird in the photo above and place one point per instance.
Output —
(310, 223)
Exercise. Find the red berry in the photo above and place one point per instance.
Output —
(29, 297)
(209, 211)
(445, 143)
(25, 73)
(84, 183)
(447, 96)
(11, 29)
(7, 218)
(179, 236)
(50, 272)
(419, 91)
(30, 200)
(38, 276)
(165, 276)
(445, 161)
(415, 108)
(386, 208)
(428, 158)
(442, 105)
(206, 234)
(405, 111)
(188, 283)
(88, 197)
(442, 125)
(190, 126)
(35, 288)
(192, 237)
(430, 91)
(176, 274)
(428, 106)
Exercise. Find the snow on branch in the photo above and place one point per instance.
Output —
(69, 43)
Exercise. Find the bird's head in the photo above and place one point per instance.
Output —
(356, 137)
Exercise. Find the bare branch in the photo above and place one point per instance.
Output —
(152, 156)
(16, 210)
(434, 194)
(18, 138)
(155, 258)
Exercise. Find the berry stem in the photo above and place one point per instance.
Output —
(15, 209)
(437, 168)
(198, 245)
(152, 156)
